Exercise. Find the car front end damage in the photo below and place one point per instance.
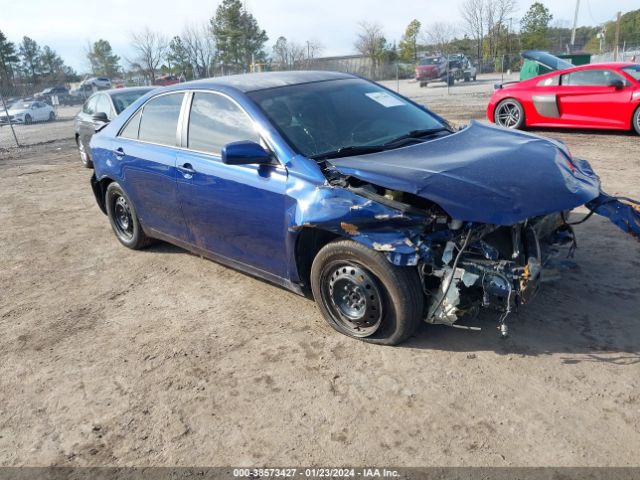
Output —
(491, 253)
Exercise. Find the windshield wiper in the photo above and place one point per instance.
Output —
(349, 150)
(417, 134)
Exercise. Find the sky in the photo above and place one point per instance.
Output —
(68, 26)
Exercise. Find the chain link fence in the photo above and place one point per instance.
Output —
(33, 114)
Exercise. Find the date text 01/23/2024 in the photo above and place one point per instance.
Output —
(315, 472)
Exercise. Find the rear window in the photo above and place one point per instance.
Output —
(124, 99)
(430, 61)
(159, 120)
(634, 71)
(549, 82)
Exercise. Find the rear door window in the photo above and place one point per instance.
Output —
(159, 120)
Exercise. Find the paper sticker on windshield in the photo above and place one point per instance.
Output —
(384, 99)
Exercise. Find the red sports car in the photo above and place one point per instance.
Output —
(601, 95)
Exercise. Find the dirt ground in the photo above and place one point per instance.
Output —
(115, 357)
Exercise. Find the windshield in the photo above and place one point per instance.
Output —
(20, 106)
(322, 117)
(122, 100)
(634, 71)
(430, 61)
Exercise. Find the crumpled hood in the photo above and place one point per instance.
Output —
(482, 174)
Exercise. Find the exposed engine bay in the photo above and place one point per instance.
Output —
(465, 266)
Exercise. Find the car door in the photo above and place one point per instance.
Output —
(40, 112)
(85, 121)
(233, 211)
(587, 98)
(146, 151)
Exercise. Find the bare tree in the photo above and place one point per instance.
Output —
(473, 16)
(440, 35)
(199, 43)
(150, 48)
(314, 49)
(371, 43)
(484, 20)
(496, 13)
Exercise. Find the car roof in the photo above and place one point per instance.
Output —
(589, 66)
(113, 91)
(250, 82)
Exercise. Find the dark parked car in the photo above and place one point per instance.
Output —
(329, 183)
(61, 93)
(99, 109)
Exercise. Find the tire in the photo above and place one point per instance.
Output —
(423, 84)
(385, 304)
(635, 121)
(467, 78)
(123, 218)
(52, 116)
(85, 157)
(27, 119)
(509, 114)
(451, 80)
(474, 78)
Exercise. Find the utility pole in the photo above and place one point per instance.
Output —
(615, 52)
(575, 23)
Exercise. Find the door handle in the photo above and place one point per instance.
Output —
(186, 169)
(119, 153)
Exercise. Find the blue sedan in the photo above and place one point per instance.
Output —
(331, 185)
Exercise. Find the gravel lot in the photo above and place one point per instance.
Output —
(115, 357)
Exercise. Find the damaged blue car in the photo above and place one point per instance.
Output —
(331, 185)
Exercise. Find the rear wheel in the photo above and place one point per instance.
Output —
(28, 119)
(123, 218)
(362, 295)
(52, 116)
(509, 114)
(636, 120)
(451, 80)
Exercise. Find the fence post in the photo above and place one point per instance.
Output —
(6, 112)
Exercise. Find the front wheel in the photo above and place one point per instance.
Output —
(362, 295)
(52, 116)
(636, 120)
(27, 119)
(123, 218)
(509, 114)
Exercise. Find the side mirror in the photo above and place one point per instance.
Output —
(100, 117)
(244, 153)
(616, 83)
